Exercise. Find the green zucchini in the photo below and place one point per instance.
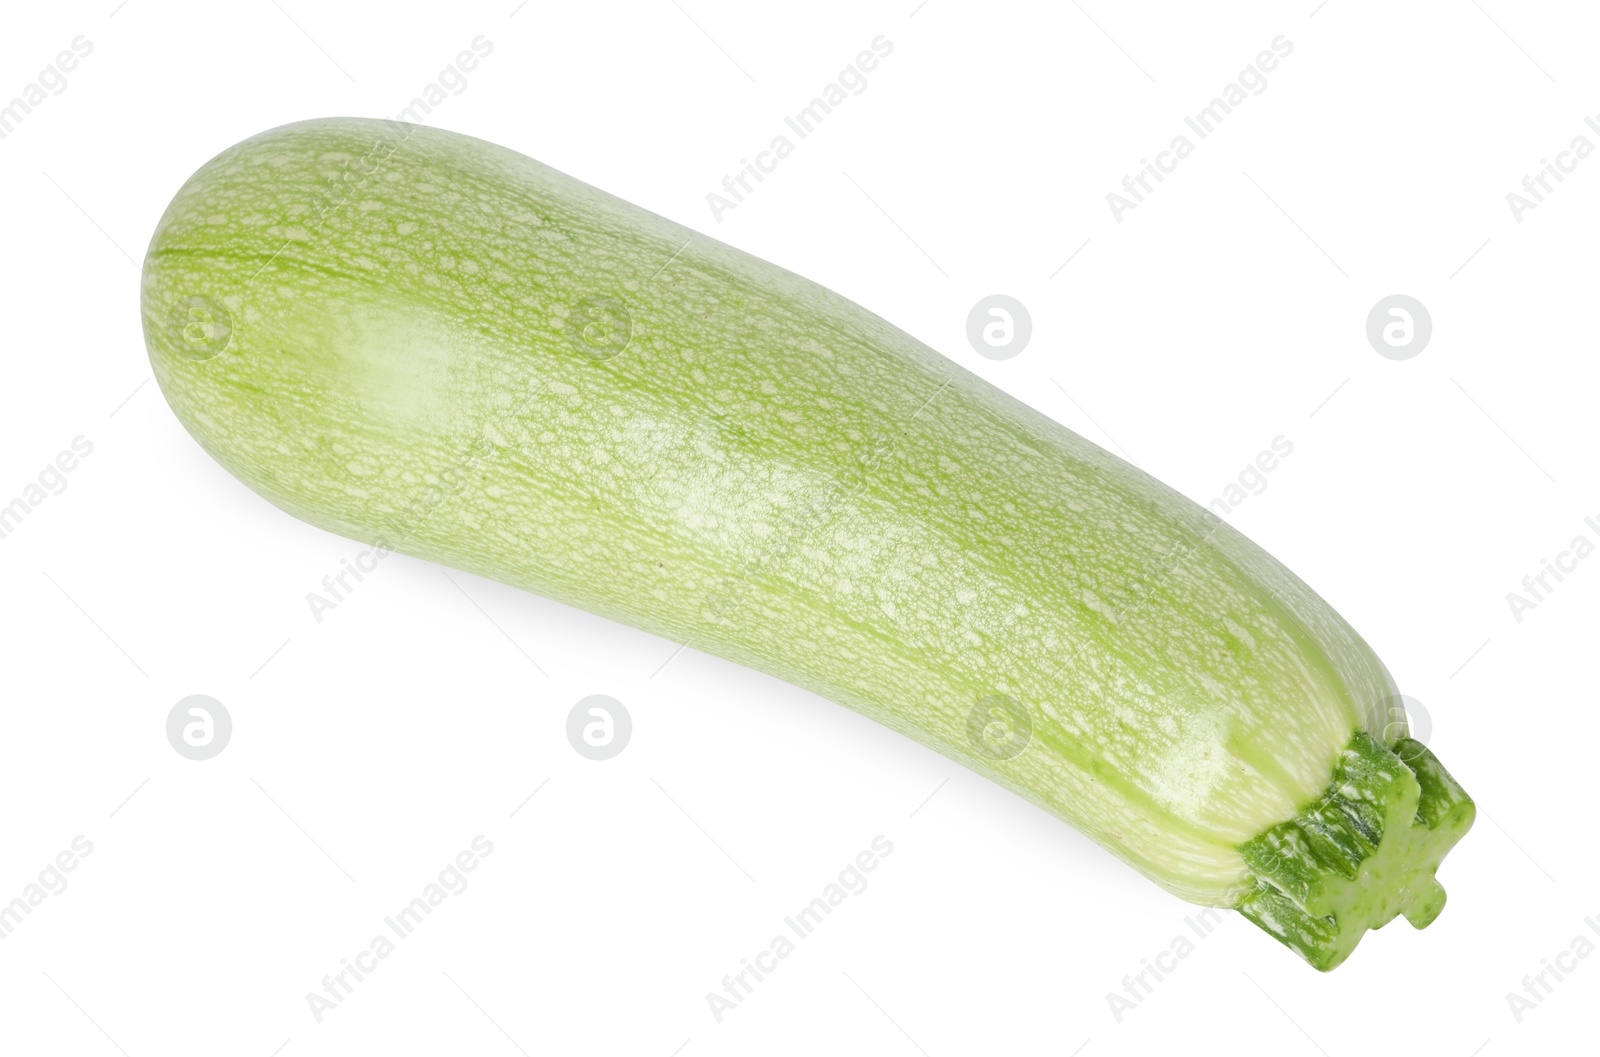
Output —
(424, 341)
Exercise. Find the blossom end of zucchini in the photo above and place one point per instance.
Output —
(1361, 855)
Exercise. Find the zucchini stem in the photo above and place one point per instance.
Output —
(1362, 854)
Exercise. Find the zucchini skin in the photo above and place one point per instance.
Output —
(419, 339)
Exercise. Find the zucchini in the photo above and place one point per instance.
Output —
(433, 344)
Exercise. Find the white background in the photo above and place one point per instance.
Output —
(1226, 310)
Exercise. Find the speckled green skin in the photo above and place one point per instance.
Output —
(418, 344)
